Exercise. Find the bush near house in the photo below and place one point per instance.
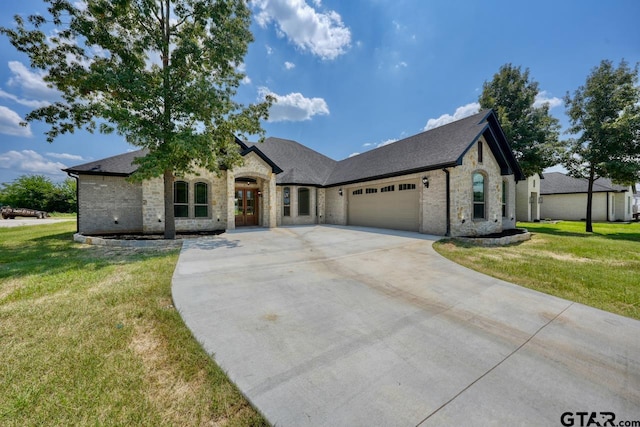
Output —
(600, 269)
(90, 337)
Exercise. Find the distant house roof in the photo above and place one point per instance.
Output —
(559, 183)
(296, 164)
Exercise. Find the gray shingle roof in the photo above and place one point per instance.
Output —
(435, 148)
(296, 164)
(116, 165)
(559, 183)
(300, 164)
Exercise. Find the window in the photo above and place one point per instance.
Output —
(388, 188)
(201, 208)
(356, 192)
(286, 201)
(504, 198)
(402, 187)
(478, 196)
(371, 190)
(479, 151)
(180, 199)
(303, 201)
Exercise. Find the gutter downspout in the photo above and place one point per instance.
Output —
(448, 232)
(77, 201)
(608, 208)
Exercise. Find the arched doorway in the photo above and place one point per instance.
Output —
(246, 204)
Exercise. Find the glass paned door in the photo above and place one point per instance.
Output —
(246, 207)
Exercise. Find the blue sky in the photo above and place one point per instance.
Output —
(350, 75)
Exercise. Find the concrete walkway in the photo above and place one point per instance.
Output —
(336, 326)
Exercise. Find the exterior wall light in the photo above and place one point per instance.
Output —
(540, 199)
(340, 192)
(425, 181)
(115, 220)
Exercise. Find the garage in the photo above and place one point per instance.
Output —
(394, 206)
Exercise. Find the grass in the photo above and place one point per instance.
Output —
(600, 269)
(89, 336)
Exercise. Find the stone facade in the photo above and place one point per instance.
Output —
(98, 214)
(462, 220)
(153, 204)
(294, 217)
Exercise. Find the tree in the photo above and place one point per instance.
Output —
(531, 130)
(160, 72)
(28, 191)
(64, 198)
(605, 116)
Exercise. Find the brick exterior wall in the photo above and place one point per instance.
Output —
(335, 211)
(294, 218)
(103, 200)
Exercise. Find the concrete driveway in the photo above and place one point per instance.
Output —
(336, 326)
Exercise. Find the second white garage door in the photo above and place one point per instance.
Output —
(394, 206)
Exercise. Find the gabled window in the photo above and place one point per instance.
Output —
(479, 196)
(286, 201)
(181, 199)
(201, 206)
(304, 201)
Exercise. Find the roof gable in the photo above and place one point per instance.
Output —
(300, 164)
(441, 147)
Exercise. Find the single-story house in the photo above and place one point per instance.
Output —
(558, 196)
(457, 179)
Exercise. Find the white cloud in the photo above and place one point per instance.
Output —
(29, 161)
(542, 98)
(323, 34)
(294, 107)
(289, 65)
(387, 142)
(31, 84)
(10, 123)
(65, 156)
(21, 101)
(460, 113)
(354, 154)
(402, 64)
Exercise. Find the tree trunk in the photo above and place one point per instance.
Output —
(169, 217)
(589, 225)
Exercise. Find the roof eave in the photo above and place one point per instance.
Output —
(394, 174)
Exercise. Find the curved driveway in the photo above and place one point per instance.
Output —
(340, 326)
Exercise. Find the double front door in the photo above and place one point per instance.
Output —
(246, 206)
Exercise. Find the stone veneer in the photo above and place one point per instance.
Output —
(153, 204)
(462, 222)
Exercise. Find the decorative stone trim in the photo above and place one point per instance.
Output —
(497, 241)
(121, 243)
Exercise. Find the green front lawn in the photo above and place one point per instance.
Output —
(89, 336)
(600, 269)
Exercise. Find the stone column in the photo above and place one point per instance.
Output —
(273, 201)
(231, 195)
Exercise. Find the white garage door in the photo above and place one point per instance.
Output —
(392, 206)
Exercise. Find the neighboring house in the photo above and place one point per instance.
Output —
(458, 179)
(528, 199)
(564, 197)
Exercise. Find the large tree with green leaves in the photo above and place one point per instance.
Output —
(40, 193)
(531, 130)
(163, 73)
(605, 118)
